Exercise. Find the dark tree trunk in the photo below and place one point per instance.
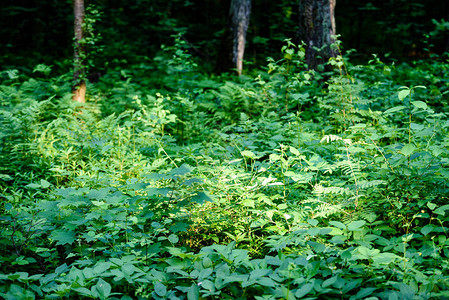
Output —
(446, 49)
(79, 73)
(316, 28)
(233, 43)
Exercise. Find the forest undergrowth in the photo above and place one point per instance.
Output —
(284, 183)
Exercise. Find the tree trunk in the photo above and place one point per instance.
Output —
(239, 15)
(316, 28)
(79, 74)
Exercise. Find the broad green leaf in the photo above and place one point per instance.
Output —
(408, 149)
(431, 205)
(417, 127)
(173, 238)
(335, 231)
(116, 261)
(352, 284)
(301, 177)
(88, 273)
(394, 109)
(128, 269)
(282, 206)
(83, 291)
(338, 224)
(103, 288)
(207, 262)
(255, 274)
(407, 291)
(101, 267)
(419, 104)
(294, 151)
(304, 290)
(313, 231)
(182, 170)
(99, 203)
(265, 281)
(99, 194)
(274, 157)
(366, 253)
(208, 285)
(45, 184)
(441, 210)
(193, 293)
(22, 276)
(33, 186)
(318, 247)
(249, 154)
(63, 237)
(118, 274)
(403, 93)
(384, 258)
(61, 269)
(179, 226)
(312, 222)
(160, 289)
(201, 197)
(14, 276)
(355, 225)
(363, 293)
(427, 229)
(287, 293)
(205, 273)
(346, 254)
(329, 281)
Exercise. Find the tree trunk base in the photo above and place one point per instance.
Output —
(79, 93)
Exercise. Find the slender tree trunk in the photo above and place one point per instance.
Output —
(316, 28)
(79, 74)
(239, 15)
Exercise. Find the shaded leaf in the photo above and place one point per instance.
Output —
(63, 237)
(103, 288)
(160, 289)
(304, 290)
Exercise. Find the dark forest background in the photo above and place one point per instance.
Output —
(35, 31)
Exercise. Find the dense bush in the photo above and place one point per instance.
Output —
(282, 184)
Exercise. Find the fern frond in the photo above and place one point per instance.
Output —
(370, 184)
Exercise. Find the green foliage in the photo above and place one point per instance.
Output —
(288, 184)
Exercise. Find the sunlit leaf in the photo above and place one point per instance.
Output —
(403, 93)
(408, 149)
(419, 104)
(394, 109)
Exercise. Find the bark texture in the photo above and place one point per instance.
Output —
(239, 16)
(316, 28)
(79, 74)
